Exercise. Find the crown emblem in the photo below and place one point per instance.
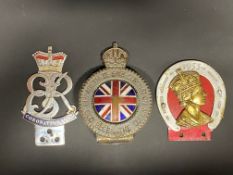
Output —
(185, 82)
(115, 57)
(49, 62)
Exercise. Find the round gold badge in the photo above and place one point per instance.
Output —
(115, 102)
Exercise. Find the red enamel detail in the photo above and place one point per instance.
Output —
(42, 57)
(58, 57)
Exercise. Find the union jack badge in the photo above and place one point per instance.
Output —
(191, 98)
(42, 106)
(115, 102)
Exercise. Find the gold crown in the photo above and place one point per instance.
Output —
(115, 57)
(185, 82)
(49, 62)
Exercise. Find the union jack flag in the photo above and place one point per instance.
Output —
(115, 101)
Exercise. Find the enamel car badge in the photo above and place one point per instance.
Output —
(115, 102)
(191, 98)
(42, 106)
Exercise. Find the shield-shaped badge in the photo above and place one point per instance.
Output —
(42, 107)
(115, 102)
(191, 98)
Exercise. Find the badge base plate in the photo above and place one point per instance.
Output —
(117, 140)
(49, 136)
(201, 133)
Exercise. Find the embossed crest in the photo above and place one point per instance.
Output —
(49, 126)
(191, 98)
(115, 102)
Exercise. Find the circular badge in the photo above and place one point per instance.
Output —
(191, 98)
(115, 102)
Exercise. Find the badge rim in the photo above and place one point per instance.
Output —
(135, 122)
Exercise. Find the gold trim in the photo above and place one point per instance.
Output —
(108, 140)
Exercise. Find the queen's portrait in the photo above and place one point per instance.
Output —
(188, 89)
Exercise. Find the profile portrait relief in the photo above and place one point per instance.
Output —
(187, 87)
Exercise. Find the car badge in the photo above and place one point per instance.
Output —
(191, 98)
(115, 102)
(42, 106)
